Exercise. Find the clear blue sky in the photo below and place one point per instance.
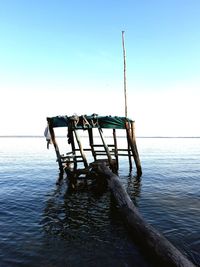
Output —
(65, 57)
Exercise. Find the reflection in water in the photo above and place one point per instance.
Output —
(84, 207)
(67, 210)
(91, 222)
(134, 187)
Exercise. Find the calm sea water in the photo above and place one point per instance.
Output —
(43, 225)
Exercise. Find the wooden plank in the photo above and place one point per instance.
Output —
(125, 155)
(99, 145)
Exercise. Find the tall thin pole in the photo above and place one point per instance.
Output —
(124, 55)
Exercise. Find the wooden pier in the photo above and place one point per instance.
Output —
(104, 166)
(109, 153)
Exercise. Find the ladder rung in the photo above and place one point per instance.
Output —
(127, 155)
(122, 149)
(72, 161)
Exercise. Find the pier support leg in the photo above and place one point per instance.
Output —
(116, 150)
(51, 130)
(90, 133)
(132, 143)
(81, 149)
(106, 149)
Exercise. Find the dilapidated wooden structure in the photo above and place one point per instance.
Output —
(105, 152)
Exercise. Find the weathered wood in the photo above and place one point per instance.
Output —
(81, 149)
(115, 148)
(133, 136)
(153, 241)
(91, 141)
(129, 155)
(53, 138)
(133, 147)
(106, 148)
(71, 141)
(124, 57)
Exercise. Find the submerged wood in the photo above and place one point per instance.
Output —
(151, 239)
(133, 146)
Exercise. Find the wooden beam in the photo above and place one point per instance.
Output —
(106, 148)
(149, 238)
(129, 155)
(71, 141)
(91, 141)
(115, 148)
(81, 149)
(53, 138)
(133, 147)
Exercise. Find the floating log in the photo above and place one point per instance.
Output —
(151, 239)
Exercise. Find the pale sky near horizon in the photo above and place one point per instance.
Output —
(65, 57)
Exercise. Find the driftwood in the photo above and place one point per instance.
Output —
(153, 241)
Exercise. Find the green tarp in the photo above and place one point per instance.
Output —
(85, 121)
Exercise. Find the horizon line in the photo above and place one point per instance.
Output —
(62, 136)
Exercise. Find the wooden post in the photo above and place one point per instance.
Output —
(81, 149)
(71, 141)
(124, 56)
(129, 155)
(116, 149)
(134, 149)
(51, 130)
(153, 242)
(106, 148)
(90, 133)
(129, 152)
(133, 135)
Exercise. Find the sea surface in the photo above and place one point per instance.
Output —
(43, 224)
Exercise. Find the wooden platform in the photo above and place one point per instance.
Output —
(109, 153)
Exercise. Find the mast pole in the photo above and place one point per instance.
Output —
(124, 56)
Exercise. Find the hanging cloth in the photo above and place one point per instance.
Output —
(47, 136)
